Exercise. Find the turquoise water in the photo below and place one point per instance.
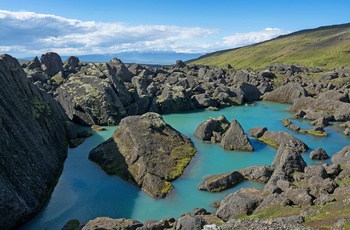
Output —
(84, 191)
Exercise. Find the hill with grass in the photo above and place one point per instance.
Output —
(325, 47)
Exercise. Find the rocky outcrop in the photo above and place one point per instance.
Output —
(342, 156)
(286, 93)
(33, 144)
(205, 131)
(275, 139)
(319, 154)
(94, 96)
(109, 223)
(244, 201)
(147, 151)
(221, 182)
(236, 139)
(51, 63)
(257, 173)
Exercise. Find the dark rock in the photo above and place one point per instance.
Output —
(286, 93)
(244, 201)
(235, 138)
(200, 211)
(51, 63)
(204, 101)
(189, 223)
(275, 139)
(315, 170)
(250, 92)
(120, 70)
(257, 173)
(35, 63)
(267, 73)
(242, 76)
(145, 147)
(180, 64)
(205, 130)
(342, 156)
(33, 144)
(221, 182)
(109, 223)
(319, 154)
(320, 122)
(257, 132)
(332, 170)
(288, 160)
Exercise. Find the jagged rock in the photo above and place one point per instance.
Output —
(250, 92)
(288, 160)
(257, 131)
(320, 122)
(286, 93)
(244, 201)
(299, 196)
(109, 224)
(35, 63)
(342, 156)
(146, 150)
(275, 139)
(158, 225)
(51, 63)
(189, 222)
(91, 98)
(221, 182)
(236, 139)
(315, 170)
(205, 130)
(318, 154)
(71, 64)
(33, 144)
(257, 173)
(204, 101)
(120, 70)
(180, 64)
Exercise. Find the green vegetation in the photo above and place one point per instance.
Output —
(313, 132)
(183, 156)
(268, 141)
(40, 108)
(274, 211)
(326, 47)
(166, 188)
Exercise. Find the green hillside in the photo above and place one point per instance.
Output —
(325, 47)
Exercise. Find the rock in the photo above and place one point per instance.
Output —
(33, 144)
(189, 223)
(299, 196)
(158, 225)
(288, 160)
(204, 101)
(341, 224)
(71, 64)
(320, 122)
(257, 173)
(221, 182)
(244, 201)
(35, 63)
(120, 70)
(51, 63)
(250, 92)
(92, 98)
(334, 95)
(315, 170)
(180, 64)
(275, 139)
(236, 139)
(332, 170)
(200, 211)
(260, 224)
(274, 199)
(72, 225)
(342, 156)
(318, 185)
(347, 131)
(205, 130)
(286, 93)
(146, 150)
(109, 224)
(257, 131)
(318, 154)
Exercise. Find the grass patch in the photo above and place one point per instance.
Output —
(313, 132)
(274, 211)
(182, 155)
(268, 141)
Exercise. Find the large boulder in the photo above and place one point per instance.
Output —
(120, 70)
(235, 138)
(109, 223)
(221, 182)
(288, 160)
(275, 139)
(91, 97)
(147, 151)
(244, 201)
(51, 63)
(250, 92)
(342, 156)
(33, 143)
(286, 93)
(257, 173)
(205, 130)
(188, 222)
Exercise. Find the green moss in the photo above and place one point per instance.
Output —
(182, 155)
(166, 188)
(58, 78)
(313, 132)
(40, 109)
(286, 122)
(268, 141)
(344, 182)
(273, 212)
(98, 128)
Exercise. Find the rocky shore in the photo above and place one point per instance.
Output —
(50, 94)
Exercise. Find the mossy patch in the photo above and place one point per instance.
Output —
(268, 141)
(273, 212)
(167, 187)
(182, 155)
(313, 132)
(40, 109)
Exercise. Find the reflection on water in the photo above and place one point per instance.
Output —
(84, 191)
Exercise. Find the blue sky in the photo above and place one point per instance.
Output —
(78, 27)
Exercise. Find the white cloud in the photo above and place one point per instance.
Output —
(240, 39)
(28, 33)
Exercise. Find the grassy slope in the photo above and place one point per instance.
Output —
(325, 47)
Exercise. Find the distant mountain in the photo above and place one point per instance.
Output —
(326, 47)
(155, 58)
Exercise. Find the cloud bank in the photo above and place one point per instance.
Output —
(28, 33)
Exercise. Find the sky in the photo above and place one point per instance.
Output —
(76, 27)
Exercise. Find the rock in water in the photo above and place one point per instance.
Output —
(221, 182)
(33, 144)
(146, 150)
(205, 130)
(286, 93)
(235, 138)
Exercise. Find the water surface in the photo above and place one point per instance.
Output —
(85, 192)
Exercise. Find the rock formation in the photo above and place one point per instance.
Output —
(147, 151)
(33, 144)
